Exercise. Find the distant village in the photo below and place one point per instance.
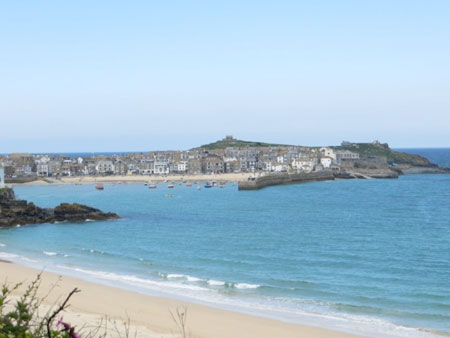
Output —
(190, 162)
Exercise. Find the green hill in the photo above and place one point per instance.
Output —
(232, 142)
(383, 150)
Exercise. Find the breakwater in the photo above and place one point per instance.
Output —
(284, 178)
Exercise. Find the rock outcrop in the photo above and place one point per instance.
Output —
(14, 212)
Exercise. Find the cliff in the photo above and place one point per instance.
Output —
(14, 212)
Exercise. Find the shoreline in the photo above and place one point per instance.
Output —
(227, 177)
(151, 314)
(137, 179)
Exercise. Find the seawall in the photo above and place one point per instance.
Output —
(278, 179)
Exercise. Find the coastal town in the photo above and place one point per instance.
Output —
(224, 158)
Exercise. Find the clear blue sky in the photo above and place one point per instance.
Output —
(140, 75)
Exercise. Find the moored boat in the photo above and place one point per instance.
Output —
(99, 186)
(208, 185)
(170, 186)
(151, 185)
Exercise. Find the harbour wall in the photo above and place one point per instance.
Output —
(285, 178)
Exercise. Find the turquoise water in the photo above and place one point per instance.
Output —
(364, 256)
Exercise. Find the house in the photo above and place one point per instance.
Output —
(328, 152)
(212, 164)
(346, 155)
(161, 167)
(182, 167)
(2, 178)
(326, 161)
(194, 166)
(42, 170)
(304, 164)
(104, 167)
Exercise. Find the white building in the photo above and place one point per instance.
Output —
(161, 168)
(303, 164)
(2, 177)
(182, 167)
(328, 152)
(42, 169)
(326, 162)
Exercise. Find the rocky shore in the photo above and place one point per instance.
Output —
(15, 212)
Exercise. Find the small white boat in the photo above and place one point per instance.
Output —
(151, 185)
(170, 186)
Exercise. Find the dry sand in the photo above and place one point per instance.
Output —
(150, 316)
(139, 179)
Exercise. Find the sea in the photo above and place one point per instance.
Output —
(370, 257)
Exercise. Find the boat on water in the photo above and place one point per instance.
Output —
(170, 186)
(208, 185)
(214, 184)
(188, 184)
(199, 187)
(151, 185)
(99, 186)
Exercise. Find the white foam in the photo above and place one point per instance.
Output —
(246, 286)
(49, 253)
(193, 279)
(6, 255)
(2, 245)
(18, 226)
(265, 306)
(14, 257)
(215, 282)
(138, 281)
(174, 275)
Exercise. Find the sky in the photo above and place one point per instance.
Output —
(145, 75)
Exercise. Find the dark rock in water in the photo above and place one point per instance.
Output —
(14, 212)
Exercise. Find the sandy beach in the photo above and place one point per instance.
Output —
(150, 316)
(231, 177)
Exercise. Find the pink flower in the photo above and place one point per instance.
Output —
(59, 322)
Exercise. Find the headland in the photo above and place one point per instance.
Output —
(15, 212)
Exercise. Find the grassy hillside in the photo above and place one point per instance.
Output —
(376, 149)
(222, 144)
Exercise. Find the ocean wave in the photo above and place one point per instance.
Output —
(6, 255)
(93, 251)
(181, 276)
(216, 282)
(193, 279)
(246, 286)
(2, 245)
(278, 307)
(14, 257)
(137, 281)
(49, 253)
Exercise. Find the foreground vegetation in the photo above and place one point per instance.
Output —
(20, 318)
